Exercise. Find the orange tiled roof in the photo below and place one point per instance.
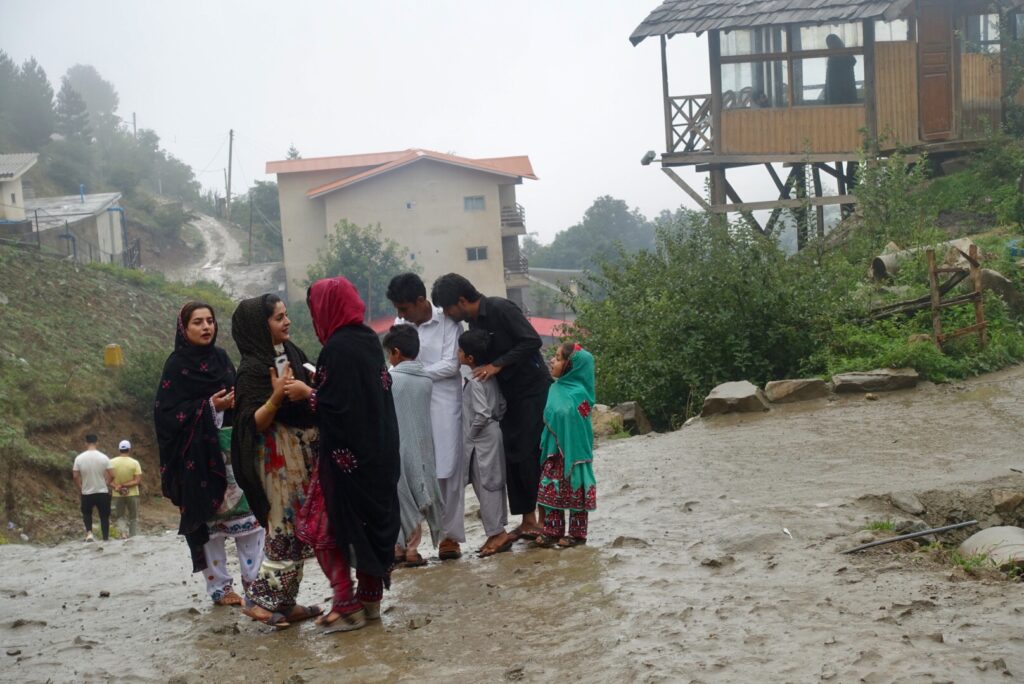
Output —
(383, 162)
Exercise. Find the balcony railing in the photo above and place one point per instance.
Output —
(690, 123)
(516, 265)
(513, 216)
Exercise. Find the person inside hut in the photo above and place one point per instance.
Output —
(840, 80)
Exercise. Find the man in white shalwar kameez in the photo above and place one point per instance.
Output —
(439, 354)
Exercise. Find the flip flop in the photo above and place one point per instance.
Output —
(545, 542)
(345, 622)
(278, 621)
(229, 599)
(417, 561)
(518, 533)
(570, 542)
(307, 613)
(507, 546)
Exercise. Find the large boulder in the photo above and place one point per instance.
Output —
(605, 421)
(880, 380)
(784, 391)
(634, 420)
(1004, 545)
(734, 397)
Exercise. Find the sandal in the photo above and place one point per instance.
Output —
(416, 561)
(520, 533)
(278, 621)
(299, 613)
(345, 622)
(486, 552)
(229, 599)
(545, 542)
(570, 542)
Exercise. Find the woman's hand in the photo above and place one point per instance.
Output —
(296, 390)
(223, 400)
(278, 394)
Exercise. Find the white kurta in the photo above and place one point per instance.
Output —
(439, 354)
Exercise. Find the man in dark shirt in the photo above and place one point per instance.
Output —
(522, 375)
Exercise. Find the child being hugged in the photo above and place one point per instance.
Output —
(567, 483)
(482, 408)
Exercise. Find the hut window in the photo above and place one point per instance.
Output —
(754, 85)
(820, 37)
(892, 31)
(754, 41)
(836, 80)
(981, 34)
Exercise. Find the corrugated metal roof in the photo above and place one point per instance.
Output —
(13, 165)
(698, 16)
(55, 211)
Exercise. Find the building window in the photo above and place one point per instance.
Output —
(14, 199)
(779, 67)
(474, 203)
(982, 34)
(476, 253)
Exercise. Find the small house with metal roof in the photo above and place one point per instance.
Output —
(12, 195)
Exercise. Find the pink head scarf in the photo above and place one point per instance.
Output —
(334, 303)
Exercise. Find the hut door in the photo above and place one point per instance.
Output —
(935, 69)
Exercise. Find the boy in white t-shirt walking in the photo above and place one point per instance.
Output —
(93, 474)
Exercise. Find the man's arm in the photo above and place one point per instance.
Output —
(448, 366)
(108, 476)
(527, 341)
(78, 479)
(136, 480)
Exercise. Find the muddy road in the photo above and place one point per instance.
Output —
(688, 576)
(223, 261)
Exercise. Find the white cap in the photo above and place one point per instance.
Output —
(125, 445)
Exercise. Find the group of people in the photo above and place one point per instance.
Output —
(347, 459)
(102, 481)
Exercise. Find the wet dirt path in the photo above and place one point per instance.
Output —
(688, 576)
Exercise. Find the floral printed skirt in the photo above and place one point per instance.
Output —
(577, 492)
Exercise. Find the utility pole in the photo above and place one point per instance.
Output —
(231, 144)
(250, 228)
(135, 130)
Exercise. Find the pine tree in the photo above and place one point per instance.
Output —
(31, 115)
(72, 114)
(293, 153)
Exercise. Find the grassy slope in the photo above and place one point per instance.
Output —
(58, 317)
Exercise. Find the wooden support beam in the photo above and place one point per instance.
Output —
(778, 181)
(722, 160)
(731, 193)
(669, 141)
(870, 94)
(783, 195)
(694, 195)
(820, 209)
(801, 213)
(785, 204)
(715, 54)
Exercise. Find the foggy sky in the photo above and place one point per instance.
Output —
(558, 81)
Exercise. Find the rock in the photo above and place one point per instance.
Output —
(604, 421)
(514, 674)
(629, 543)
(419, 622)
(634, 420)
(906, 502)
(13, 651)
(1005, 501)
(1004, 287)
(104, 594)
(879, 380)
(909, 526)
(3, 299)
(919, 338)
(1004, 545)
(22, 622)
(783, 391)
(717, 562)
(871, 396)
(734, 397)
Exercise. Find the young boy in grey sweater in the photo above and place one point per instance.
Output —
(482, 409)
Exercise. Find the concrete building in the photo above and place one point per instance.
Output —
(12, 197)
(87, 227)
(452, 214)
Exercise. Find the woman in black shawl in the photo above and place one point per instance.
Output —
(272, 448)
(192, 413)
(351, 516)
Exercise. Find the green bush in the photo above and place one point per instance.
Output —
(140, 375)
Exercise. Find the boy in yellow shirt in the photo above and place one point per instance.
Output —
(125, 487)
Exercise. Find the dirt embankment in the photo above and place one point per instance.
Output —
(713, 557)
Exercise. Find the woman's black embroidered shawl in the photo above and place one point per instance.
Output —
(252, 389)
(192, 471)
(359, 461)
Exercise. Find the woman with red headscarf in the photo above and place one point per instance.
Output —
(351, 514)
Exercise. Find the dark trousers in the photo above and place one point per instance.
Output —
(521, 429)
(102, 504)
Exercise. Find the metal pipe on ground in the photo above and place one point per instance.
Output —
(912, 535)
(886, 265)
